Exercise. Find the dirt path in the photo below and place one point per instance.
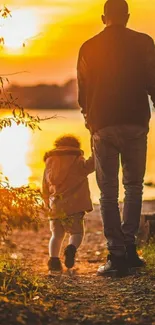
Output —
(80, 297)
(33, 246)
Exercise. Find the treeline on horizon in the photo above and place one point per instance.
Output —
(45, 96)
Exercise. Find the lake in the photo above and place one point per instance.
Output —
(22, 150)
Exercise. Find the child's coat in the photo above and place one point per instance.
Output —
(65, 181)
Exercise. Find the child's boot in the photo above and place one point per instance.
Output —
(69, 253)
(54, 264)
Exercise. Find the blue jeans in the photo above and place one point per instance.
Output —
(126, 144)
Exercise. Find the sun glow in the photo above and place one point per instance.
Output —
(18, 29)
(14, 143)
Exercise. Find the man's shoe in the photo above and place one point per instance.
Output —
(116, 266)
(54, 264)
(133, 259)
(69, 253)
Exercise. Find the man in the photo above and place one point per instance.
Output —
(116, 72)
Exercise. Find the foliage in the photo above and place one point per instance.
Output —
(149, 253)
(15, 282)
(18, 114)
(5, 12)
(19, 208)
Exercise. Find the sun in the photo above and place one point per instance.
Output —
(18, 29)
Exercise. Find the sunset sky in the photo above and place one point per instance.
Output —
(53, 31)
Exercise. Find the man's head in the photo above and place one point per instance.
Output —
(115, 12)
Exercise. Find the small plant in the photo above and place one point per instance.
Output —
(19, 208)
(16, 283)
(149, 252)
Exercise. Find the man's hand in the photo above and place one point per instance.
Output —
(86, 123)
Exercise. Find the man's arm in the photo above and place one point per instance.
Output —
(81, 77)
(150, 69)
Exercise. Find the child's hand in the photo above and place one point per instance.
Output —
(86, 123)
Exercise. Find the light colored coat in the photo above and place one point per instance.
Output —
(65, 181)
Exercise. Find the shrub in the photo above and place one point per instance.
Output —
(19, 208)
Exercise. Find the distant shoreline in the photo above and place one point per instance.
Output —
(46, 96)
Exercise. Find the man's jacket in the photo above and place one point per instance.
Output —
(116, 73)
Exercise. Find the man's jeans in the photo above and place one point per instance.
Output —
(128, 144)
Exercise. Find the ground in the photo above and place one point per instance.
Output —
(77, 297)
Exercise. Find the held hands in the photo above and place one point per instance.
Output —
(86, 123)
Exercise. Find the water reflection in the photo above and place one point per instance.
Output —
(22, 151)
(14, 146)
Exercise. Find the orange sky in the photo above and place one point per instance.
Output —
(53, 32)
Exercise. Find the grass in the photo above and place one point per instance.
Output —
(16, 284)
(149, 253)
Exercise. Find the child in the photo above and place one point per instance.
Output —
(66, 193)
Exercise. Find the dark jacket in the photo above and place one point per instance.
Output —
(116, 72)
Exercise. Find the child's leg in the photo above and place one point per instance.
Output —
(77, 232)
(58, 234)
(76, 240)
